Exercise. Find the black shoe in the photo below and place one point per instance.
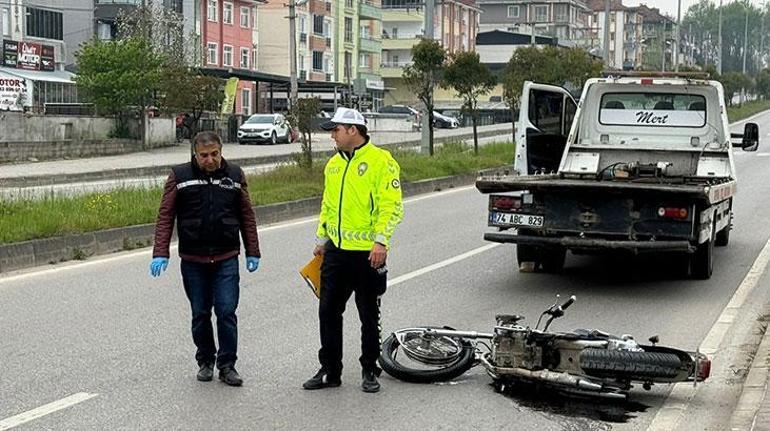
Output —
(230, 376)
(370, 383)
(322, 380)
(206, 373)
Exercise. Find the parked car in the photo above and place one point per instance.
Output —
(270, 128)
(444, 121)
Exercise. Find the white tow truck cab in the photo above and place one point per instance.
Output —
(640, 163)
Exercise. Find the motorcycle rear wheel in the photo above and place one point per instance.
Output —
(405, 369)
(627, 365)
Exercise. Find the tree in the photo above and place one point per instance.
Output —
(763, 84)
(733, 82)
(302, 116)
(119, 75)
(470, 79)
(186, 90)
(428, 58)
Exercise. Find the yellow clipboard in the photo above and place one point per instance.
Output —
(311, 273)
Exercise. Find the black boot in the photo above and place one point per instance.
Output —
(230, 376)
(370, 383)
(206, 373)
(322, 380)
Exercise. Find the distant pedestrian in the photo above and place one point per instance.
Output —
(210, 201)
(353, 235)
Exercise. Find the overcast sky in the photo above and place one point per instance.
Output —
(670, 6)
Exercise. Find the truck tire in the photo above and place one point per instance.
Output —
(723, 237)
(702, 261)
(552, 259)
(622, 364)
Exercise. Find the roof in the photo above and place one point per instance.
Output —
(37, 75)
(599, 5)
(651, 14)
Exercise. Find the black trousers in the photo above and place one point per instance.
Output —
(344, 272)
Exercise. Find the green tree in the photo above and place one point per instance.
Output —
(763, 84)
(302, 116)
(733, 82)
(120, 75)
(428, 58)
(186, 90)
(470, 79)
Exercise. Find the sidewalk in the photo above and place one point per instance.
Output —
(158, 161)
(752, 413)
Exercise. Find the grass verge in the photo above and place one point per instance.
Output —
(26, 219)
(735, 113)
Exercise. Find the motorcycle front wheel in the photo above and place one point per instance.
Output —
(416, 358)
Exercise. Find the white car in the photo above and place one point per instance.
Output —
(444, 122)
(271, 128)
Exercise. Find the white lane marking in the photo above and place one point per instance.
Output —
(676, 403)
(47, 409)
(443, 263)
(66, 266)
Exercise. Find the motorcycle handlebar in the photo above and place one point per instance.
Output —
(568, 302)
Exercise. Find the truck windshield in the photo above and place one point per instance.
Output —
(653, 109)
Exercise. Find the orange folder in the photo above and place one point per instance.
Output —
(311, 273)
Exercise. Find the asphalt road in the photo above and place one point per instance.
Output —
(106, 329)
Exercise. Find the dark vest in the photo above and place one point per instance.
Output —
(208, 209)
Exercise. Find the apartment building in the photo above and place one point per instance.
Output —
(658, 32)
(563, 19)
(358, 49)
(456, 23)
(626, 44)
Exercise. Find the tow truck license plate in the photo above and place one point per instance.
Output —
(516, 219)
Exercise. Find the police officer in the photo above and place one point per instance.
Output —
(360, 210)
(210, 201)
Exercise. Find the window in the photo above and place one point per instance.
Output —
(513, 11)
(318, 61)
(245, 17)
(561, 12)
(348, 64)
(318, 25)
(104, 30)
(327, 65)
(348, 29)
(394, 33)
(6, 22)
(211, 11)
(349, 4)
(227, 13)
(363, 60)
(302, 24)
(44, 23)
(327, 29)
(254, 62)
(213, 58)
(301, 62)
(545, 111)
(659, 109)
(246, 101)
(227, 55)
(541, 13)
(244, 58)
(394, 59)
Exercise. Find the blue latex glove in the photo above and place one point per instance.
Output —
(252, 263)
(158, 265)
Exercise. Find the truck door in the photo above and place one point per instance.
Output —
(545, 118)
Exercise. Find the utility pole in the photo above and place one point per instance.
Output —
(719, 60)
(292, 53)
(676, 42)
(607, 33)
(745, 48)
(426, 137)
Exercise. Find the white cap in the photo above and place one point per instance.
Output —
(345, 116)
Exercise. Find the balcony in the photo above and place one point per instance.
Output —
(369, 44)
(367, 10)
(393, 69)
(403, 15)
(399, 43)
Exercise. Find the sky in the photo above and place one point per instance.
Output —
(670, 6)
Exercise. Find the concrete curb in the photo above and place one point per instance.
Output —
(748, 413)
(81, 246)
(162, 170)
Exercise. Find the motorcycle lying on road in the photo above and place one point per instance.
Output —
(583, 362)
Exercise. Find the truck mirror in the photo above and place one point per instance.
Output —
(750, 137)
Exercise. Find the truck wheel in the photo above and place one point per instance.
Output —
(552, 259)
(702, 261)
(723, 237)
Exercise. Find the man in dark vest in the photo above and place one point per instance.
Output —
(210, 201)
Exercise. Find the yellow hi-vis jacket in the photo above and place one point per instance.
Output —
(362, 199)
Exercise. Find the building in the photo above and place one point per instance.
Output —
(456, 23)
(564, 19)
(659, 37)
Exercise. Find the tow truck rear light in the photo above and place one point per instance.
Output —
(646, 81)
(704, 368)
(673, 212)
(504, 202)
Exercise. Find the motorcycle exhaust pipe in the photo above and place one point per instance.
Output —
(547, 376)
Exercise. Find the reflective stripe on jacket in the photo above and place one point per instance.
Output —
(362, 199)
